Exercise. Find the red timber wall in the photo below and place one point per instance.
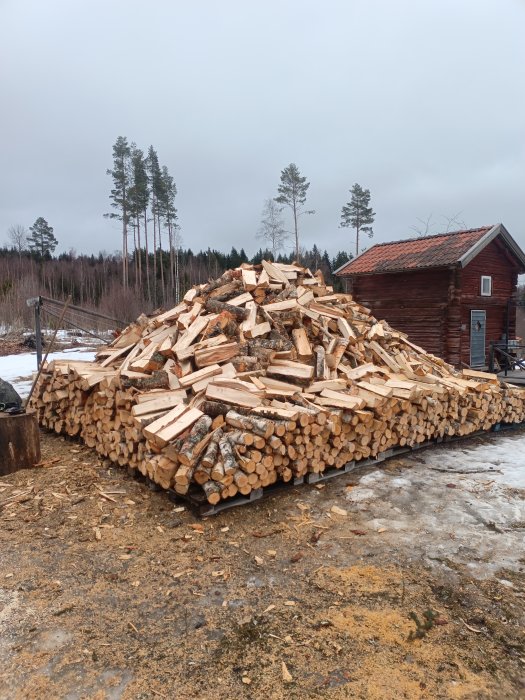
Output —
(413, 302)
(496, 261)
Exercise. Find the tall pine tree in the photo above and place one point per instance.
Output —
(119, 196)
(292, 193)
(169, 213)
(358, 214)
(138, 195)
(42, 240)
(156, 185)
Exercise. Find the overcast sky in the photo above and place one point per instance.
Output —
(421, 101)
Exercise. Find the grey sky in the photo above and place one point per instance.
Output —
(421, 101)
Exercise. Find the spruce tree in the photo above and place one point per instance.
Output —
(119, 196)
(340, 259)
(42, 240)
(358, 214)
(292, 193)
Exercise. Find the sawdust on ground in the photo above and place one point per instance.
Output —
(109, 590)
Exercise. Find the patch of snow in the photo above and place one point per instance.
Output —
(19, 370)
(452, 504)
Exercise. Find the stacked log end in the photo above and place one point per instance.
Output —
(263, 375)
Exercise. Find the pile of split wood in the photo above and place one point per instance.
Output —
(263, 375)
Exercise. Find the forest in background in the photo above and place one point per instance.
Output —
(95, 281)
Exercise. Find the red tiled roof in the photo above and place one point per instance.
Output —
(430, 251)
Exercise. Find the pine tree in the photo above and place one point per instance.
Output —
(156, 185)
(139, 194)
(119, 196)
(168, 193)
(292, 193)
(358, 213)
(272, 226)
(42, 240)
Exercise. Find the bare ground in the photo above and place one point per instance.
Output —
(110, 590)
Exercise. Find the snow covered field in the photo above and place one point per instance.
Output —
(18, 370)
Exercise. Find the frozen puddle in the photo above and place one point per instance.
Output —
(461, 504)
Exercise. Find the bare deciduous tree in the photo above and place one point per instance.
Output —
(272, 227)
(17, 234)
(427, 227)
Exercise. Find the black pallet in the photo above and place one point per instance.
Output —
(196, 500)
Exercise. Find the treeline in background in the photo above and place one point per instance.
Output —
(95, 282)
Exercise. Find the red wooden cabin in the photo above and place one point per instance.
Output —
(452, 293)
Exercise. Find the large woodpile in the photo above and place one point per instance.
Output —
(263, 375)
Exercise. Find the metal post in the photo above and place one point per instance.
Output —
(36, 303)
(38, 335)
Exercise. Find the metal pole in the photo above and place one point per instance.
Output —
(38, 333)
(48, 349)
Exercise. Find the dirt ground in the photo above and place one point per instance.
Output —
(109, 590)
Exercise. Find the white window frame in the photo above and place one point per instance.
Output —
(482, 292)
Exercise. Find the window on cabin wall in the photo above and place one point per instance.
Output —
(486, 285)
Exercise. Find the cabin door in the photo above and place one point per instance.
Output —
(478, 328)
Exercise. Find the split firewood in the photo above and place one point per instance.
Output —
(262, 375)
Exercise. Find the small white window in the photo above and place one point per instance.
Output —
(486, 285)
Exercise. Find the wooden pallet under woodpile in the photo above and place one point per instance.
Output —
(263, 376)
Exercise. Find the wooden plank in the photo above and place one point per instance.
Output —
(334, 384)
(383, 355)
(485, 376)
(329, 311)
(258, 330)
(214, 355)
(159, 404)
(187, 338)
(173, 430)
(302, 344)
(164, 421)
(273, 272)
(345, 329)
(115, 355)
(251, 320)
(249, 280)
(172, 314)
(285, 305)
(271, 383)
(287, 368)
(222, 394)
(194, 377)
(353, 401)
(380, 390)
(154, 394)
(241, 299)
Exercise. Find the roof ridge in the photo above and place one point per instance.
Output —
(434, 235)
